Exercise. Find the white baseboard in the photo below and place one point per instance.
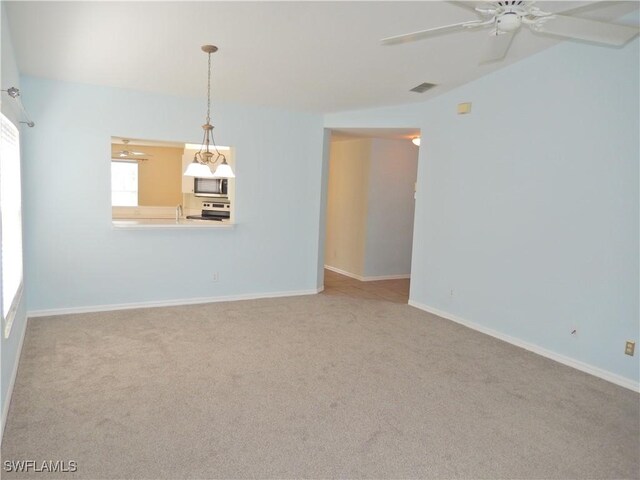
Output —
(577, 364)
(344, 272)
(12, 380)
(386, 277)
(366, 279)
(166, 303)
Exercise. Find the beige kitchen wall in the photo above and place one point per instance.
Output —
(159, 174)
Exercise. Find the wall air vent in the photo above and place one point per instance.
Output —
(423, 87)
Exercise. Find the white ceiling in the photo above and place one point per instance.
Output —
(311, 56)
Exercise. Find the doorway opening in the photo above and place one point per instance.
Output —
(370, 208)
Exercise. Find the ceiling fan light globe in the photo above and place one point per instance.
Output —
(509, 22)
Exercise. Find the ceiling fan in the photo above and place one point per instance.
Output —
(506, 17)
(129, 153)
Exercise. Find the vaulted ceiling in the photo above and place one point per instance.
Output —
(310, 56)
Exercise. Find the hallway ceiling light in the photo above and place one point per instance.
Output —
(416, 141)
(205, 159)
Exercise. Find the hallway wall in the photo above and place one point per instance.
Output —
(389, 238)
(347, 205)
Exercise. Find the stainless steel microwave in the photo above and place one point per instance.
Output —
(210, 187)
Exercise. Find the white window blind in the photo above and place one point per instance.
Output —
(124, 184)
(11, 221)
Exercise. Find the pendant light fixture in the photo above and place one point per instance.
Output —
(205, 158)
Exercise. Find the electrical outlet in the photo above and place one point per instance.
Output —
(464, 108)
(214, 277)
(630, 348)
(451, 293)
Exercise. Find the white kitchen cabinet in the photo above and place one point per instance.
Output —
(187, 182)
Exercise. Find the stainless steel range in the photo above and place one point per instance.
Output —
(216, 211)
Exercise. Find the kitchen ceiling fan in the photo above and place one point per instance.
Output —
(129, 153)
(506, 17)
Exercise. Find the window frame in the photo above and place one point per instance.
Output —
(11, 312)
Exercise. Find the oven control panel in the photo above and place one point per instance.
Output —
(216, 206)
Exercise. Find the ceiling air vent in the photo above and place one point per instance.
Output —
(423, 87)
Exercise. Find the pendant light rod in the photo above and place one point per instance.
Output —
(205, 156)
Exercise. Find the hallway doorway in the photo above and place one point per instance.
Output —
(370, 208)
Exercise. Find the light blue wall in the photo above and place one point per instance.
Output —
(528, 207)
(9, 77)
(76, 259)
(323, 173)
(390, 212)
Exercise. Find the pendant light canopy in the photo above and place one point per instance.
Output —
(206, 158)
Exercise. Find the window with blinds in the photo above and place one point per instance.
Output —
(11, 221)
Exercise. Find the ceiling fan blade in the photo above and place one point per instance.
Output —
(497, 48)
(575, 7)
(138, 153)
(589, 30)
(412, 37)
(570, 6)
(474, 6)
(468, 5)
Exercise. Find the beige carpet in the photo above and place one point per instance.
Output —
(322, 386)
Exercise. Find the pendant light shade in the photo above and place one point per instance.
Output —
(223, 171)
(196, 169)
(208, 155)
